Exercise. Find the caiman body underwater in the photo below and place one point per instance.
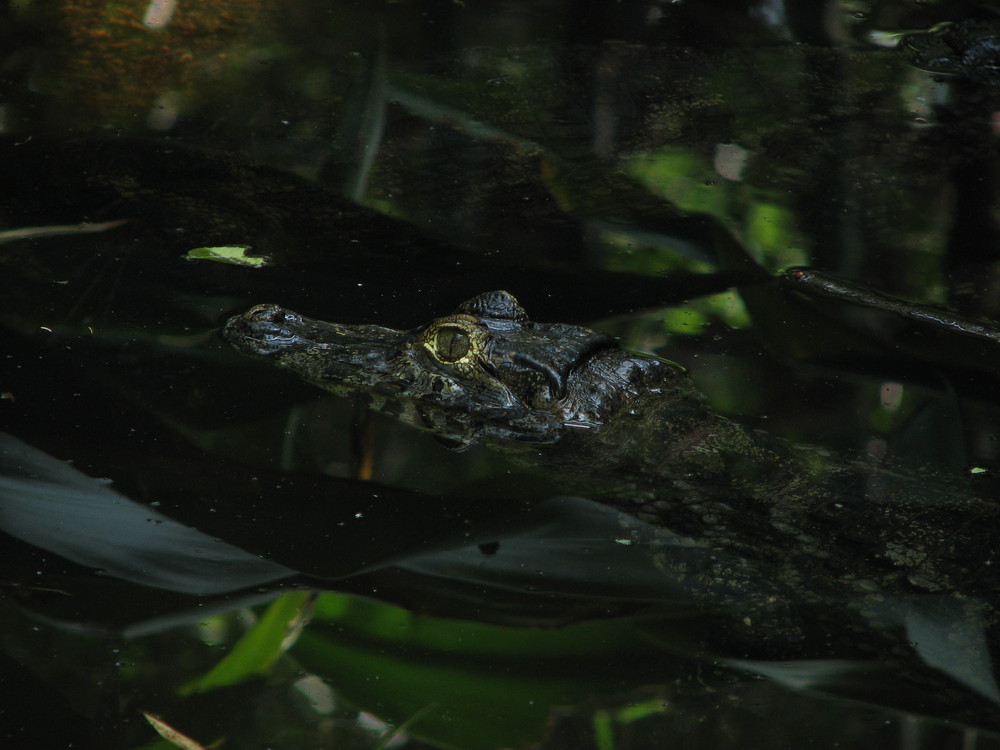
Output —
(631, 430)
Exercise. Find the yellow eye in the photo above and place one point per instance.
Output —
(451, 344)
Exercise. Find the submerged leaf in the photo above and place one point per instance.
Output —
(256, 651)
(171, 735)
(474, 685)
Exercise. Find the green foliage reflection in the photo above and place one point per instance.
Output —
(473, 685)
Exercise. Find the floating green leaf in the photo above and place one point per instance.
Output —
(234, 254)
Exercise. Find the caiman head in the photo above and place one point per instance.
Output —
(483, 373)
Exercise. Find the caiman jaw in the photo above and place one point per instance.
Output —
(332, 355)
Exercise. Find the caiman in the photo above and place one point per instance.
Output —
(633, 431)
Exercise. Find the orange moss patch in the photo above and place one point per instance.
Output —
(115, 69)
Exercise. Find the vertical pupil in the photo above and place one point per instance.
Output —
(451, 344)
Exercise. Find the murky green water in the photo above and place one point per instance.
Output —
(189, 534)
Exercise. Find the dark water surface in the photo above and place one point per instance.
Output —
(189, 534)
